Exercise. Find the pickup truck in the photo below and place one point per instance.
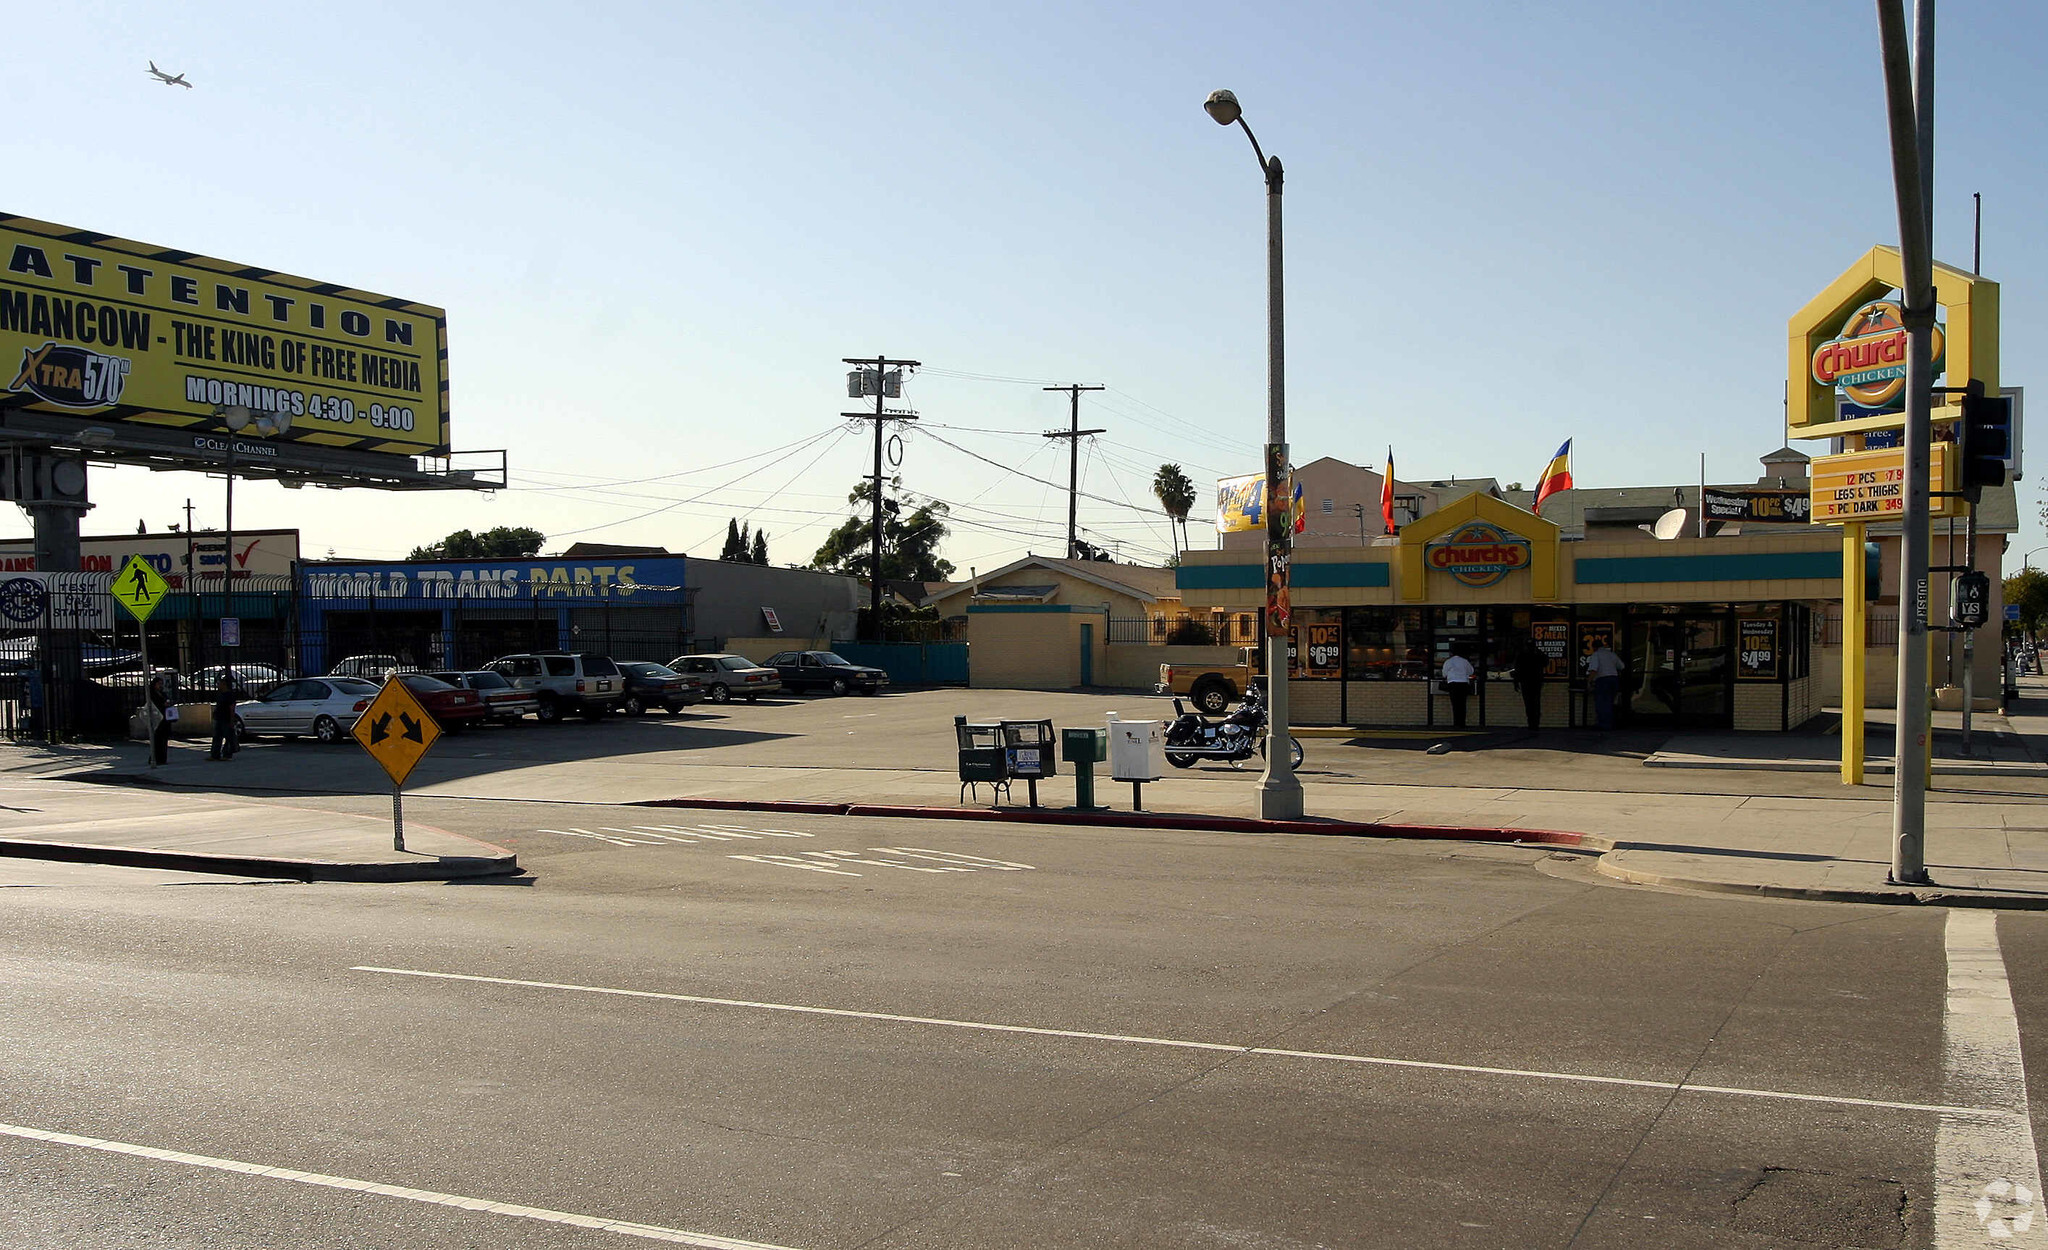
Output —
(1211, 687)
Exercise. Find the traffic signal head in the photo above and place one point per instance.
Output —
(1984, 441)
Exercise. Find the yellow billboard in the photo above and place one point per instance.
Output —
(116, 331)
(1241, 504)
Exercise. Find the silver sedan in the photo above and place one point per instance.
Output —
(325, 707)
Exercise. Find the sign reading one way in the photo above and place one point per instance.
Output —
(396, 730)
(139, 588)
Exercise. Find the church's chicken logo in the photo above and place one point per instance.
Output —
(1868, 359)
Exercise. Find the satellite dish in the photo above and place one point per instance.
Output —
(1671, 524)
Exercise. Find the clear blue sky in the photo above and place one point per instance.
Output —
(657, 229)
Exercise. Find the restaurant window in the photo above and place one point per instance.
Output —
(1505, 629)
(1385, 644)
(1462, 628)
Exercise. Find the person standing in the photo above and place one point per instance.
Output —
(224, 699)
(162, 714)
(1530, 663)
(1457, 675)
(1605, 668)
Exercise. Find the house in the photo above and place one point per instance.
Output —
(1043, 623)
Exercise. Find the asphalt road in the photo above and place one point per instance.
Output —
(823, 1032)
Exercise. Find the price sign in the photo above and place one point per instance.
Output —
(1756, 642)
(1550, 638)
(1325, 649)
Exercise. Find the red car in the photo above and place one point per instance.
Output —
(451, 707)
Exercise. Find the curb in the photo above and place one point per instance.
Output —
(449, 868)
(1152, 820)
(1893, 896)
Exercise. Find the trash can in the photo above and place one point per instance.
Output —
(982, 757)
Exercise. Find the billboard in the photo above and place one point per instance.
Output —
(118, 332)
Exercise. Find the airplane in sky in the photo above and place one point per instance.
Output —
(169, 80)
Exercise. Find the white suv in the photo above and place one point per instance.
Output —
(565, 682)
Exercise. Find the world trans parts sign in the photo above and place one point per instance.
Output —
(118, 331)
(652, 580)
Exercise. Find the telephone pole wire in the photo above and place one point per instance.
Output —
(872, 376)
(1073, 436)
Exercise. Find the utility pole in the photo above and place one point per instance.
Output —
(875, 372)
(1909, 777)
(1358, 510)
(1073, 436)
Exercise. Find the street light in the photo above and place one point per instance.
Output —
(239, 417)
(2027, 560)
(1280, 795)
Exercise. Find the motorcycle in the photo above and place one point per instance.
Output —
(1235, 738)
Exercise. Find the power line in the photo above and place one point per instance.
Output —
(681, 502)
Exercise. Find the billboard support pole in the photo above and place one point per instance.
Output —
(1913, 757)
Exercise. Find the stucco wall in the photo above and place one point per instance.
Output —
(1033, 650)
(1135, 665)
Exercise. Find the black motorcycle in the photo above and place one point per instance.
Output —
(1233, 739)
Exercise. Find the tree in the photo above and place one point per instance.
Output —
(759, 555)
(505, 542)
(1176, 494)
(735, 542)
(910, 544)
(2028, 589)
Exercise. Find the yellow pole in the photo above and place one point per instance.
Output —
(1855, 630)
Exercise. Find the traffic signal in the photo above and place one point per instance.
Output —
(1984, 441)
(1969, 599)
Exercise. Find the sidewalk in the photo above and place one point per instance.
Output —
(1749, 826)
(151, 826)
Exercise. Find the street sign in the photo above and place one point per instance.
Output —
(139, 588)
(1871, 485)
(2012, 611)
(230, 631)
(396, 730)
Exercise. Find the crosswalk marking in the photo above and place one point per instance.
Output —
(672, 835)
(922, 859)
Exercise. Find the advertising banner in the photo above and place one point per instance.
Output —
(1789, 507)
(124, 332)
(1552, 639)
(257, 554)
(1279, 605)
(1756, 648)
(1871, 485)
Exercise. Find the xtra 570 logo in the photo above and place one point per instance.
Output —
(71, 377)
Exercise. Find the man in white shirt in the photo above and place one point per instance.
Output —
(1605, 669)
(1457, 684)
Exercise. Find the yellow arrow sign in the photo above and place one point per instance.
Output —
(396, 730)
(139, 588)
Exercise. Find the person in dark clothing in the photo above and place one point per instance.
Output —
(161, 713)
(224, 700)
(1530, 663)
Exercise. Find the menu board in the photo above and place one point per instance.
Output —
(1756, 648)
(1553, 639)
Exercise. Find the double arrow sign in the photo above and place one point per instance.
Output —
(396, 750)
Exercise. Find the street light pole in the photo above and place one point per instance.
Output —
(1280, 795)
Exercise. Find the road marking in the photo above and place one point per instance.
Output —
(1971, 1113)
(673, 835)
(1987, 1178)
(585, 833)
(649, 1232)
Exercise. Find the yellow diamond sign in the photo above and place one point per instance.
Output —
(139, 588)
(396, 730)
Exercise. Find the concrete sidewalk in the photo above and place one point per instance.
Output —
(1757, 829)
(147, 826)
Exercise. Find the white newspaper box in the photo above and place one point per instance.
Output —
(1137, 750)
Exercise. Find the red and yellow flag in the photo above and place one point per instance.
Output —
(1557, 475)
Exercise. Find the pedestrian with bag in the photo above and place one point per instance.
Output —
(162, 715)
(1457, 676)
(224, 699)
(1530, 665)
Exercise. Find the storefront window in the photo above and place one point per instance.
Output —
(1461, 628)
(1385, 644)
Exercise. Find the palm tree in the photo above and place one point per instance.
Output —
(1176, 494)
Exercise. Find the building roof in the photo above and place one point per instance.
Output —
(579, 551)
(1137, 580)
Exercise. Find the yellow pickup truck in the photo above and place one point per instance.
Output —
(1211, 687)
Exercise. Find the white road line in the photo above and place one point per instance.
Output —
(636, 834)
(791, 861)
(585, 833)
(1960, 1112)
(1987, 1178)
(766, 833)
(648, 1232)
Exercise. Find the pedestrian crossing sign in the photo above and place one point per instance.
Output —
(139, 588)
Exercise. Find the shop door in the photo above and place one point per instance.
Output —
(1704, 679)
(1678, 671)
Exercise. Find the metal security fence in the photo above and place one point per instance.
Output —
(1187, 629)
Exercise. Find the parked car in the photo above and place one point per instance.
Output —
(657, 685)
(369, 667)
(502, 700)
(454, 708)
(325, 707)
(565, 682)
(725, 675)
(822, 670)
(257, 679)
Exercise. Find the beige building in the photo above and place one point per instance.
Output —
(1342, 501)
(1043, 623)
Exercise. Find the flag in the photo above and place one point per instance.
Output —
(1387, 494)
(1300, 512)
(1557, 475)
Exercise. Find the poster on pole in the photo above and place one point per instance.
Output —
(1279, 608)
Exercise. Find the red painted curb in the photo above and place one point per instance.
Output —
(1152, 820)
